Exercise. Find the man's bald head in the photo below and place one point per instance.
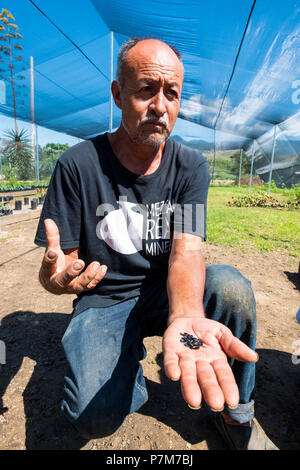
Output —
(132, 42)
(148, 90)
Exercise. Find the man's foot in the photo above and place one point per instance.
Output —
(246, 436)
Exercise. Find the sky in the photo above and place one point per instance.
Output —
(188, 130)
(44, 135)
(264, 89)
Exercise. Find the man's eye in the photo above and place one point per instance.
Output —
(146, 88)
(173, 93)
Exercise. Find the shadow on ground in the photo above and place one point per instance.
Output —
(294, 278)
(167, 406)
(38, 336)
(277, 397)
(277, 404)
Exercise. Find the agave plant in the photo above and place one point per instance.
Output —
(9, 35)
(17, 150)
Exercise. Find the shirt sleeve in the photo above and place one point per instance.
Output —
(191, 209)
(63, 205)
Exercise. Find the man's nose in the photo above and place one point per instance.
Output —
(158, 104)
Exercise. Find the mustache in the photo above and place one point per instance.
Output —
(155, 120)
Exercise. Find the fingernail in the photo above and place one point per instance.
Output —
(217, 411)
(233, 407)
(194, 407)
(77, 266)
(257, 357)
(95, 267)
(51, 254)
(103, 269)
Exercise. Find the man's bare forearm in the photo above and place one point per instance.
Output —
(185, 285)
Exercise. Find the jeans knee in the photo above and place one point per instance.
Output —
(232, 289)
(95, 424)
(102, 413)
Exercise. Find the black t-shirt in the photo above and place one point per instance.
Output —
(121, 219)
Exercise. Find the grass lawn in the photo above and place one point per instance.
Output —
(265, 229)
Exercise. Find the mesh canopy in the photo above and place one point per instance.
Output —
(241, 60)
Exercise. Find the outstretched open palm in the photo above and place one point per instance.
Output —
(204, 371)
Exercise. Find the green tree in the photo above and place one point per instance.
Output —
(17, 153)
(48, 156)
(235, 164)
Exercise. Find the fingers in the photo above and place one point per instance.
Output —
(70, 279)
(235, 348)
(189, 385)
(49, 262)
(172, 369)
(226, 382)
(209, 385)
(52, 235)
(214, 381)
(63, 279)
(87, 280)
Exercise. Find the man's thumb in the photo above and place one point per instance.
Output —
(52, 255)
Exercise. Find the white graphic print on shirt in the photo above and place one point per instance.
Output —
(124, 229)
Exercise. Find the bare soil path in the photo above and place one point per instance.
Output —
(33, 322)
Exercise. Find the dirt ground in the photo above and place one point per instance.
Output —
(33, 322)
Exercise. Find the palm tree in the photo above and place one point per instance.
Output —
(17, 150)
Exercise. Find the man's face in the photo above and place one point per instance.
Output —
(150, 97)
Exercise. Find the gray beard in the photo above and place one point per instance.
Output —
(149, 140)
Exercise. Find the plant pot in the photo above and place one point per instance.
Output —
(26, 201)
(18, 205)
(34, 204)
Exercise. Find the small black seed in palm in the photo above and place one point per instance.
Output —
(190, 341)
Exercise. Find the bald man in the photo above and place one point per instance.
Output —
(123, 224)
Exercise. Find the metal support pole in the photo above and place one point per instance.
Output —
(37, 165)
(111, 79)
(214, 159)
(240, 170)
(1, 176)
(251, 170)
(272, 159)
(32, 112)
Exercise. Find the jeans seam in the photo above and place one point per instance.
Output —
(142, 389)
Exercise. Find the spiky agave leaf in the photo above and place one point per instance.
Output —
(10, 16)
(14, 26)
(5, 11)
(17, 141)
(18, 149)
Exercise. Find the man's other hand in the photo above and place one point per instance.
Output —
(61, 270)
(204, 371)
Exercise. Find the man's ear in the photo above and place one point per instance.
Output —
(116, 92)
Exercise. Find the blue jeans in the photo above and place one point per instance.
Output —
(104, 346)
